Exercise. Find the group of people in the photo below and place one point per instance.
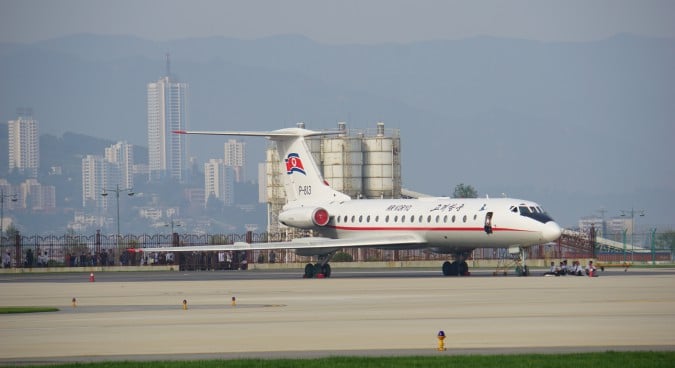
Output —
(29, 260)
(575, 269)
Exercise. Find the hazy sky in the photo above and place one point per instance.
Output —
(346, 21)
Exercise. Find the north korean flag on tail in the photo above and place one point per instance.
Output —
(294, 164)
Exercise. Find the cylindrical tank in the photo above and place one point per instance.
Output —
(274, 185)
(314, 145)
(381, 165)
(343, 164)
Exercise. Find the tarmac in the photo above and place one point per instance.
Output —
(279, 315)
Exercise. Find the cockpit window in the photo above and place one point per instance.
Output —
(535, 213)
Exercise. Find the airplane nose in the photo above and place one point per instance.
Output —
(551, 231)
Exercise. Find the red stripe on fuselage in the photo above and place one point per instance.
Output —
(371, 228)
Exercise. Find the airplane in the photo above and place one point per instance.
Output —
(442, 225)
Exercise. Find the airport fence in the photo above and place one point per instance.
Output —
(74, 250)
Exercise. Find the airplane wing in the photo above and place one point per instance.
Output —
(308, 243)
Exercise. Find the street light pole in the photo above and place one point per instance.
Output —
(176, 224)
(632, 229)
(12, 197)
(117, 191)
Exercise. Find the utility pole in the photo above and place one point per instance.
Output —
(117, 191)
(11, 197)
(632, 212)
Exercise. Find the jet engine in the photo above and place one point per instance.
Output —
(305, 217)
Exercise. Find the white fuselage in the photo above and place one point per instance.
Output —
(443, 223)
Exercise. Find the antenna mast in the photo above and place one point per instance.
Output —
(168, 65)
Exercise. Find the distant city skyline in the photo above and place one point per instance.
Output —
(338, 22)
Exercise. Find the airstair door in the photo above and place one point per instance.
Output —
(488, 223)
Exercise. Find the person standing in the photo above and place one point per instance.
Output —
(7, 260)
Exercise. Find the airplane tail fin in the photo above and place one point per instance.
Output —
(302, 178)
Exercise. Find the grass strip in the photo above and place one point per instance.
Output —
(12, 310)
(608, 359)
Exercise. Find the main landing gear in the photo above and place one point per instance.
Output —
(319, 270)
(458, 267)
(521, 267)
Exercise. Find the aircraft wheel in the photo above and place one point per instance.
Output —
(446, 268)
(309, 271)
(454, 269)
(326, 270)
(464, 269)
(450, 269)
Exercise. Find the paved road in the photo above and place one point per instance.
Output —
(338, 273)
(364, 312)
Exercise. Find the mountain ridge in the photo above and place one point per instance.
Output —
(566, 111)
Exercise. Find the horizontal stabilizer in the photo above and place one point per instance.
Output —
(273, 134)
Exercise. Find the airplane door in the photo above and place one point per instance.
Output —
(488, 223)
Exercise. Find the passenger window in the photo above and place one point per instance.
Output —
(412, 219)
(368, 219)
(464, 218)
(438, 218)
(395, 218)
(420, 219)
(429, 219)
(386, 219)
(338, 219)
(453, 219)
(353, 219)
(445, 219)
(403, 218)
(377, 218)
(345, 220)
(475, 217)
(360, 219)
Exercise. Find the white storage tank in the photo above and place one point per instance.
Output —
(314, 145)
(382, 164)
(343, 162)
(273, 173)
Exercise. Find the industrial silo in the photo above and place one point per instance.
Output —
(276, 195)
(343, 162)
(382, 164)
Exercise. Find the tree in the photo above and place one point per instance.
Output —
(464, 191)
(666, 241)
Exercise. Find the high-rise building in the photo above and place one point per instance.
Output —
(218, 181)
(24, 146)
(235, 157)
(37, 197)
(97, 174)
(122, 155)
(167, 112)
